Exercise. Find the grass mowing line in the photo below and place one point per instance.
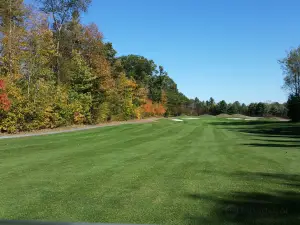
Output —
(46, 160)
(82, 150)
(62, 138)
(185, 173)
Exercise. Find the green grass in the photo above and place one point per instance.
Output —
(206, 171)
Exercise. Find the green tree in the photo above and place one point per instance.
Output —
(62, 12)
(291, 70)
(293, 105)
(283, 110)
(81, 82)
(12, 31)
(199, 107)
(211, 104)
(236, 107)
(221, 107)
(139, 68)
(244, 109)
(230, 109)
(252, 109)
(110, 53)
(261, 109)
(39, 55)
(274, 109)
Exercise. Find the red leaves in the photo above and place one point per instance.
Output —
(148, 107)
(159, 109)
(4, 101)
(154, 108)
(2, 85)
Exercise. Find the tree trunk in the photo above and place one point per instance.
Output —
(58, 57)
(28, 88)
(9, 39)
(298, 85)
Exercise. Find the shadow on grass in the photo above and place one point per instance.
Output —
(272, 145)
(266, 132)
(277, 141)
(244, 208)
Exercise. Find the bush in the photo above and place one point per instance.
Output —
(293, 106)
(101, 113)
(138, 112)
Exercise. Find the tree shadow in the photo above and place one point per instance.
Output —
(264, 207)
(245, 122)
(278, 130)
(268, 131)
(272, 145)
(277, 141)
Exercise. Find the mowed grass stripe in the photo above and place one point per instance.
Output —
(161, 173)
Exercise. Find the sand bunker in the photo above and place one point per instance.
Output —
(234, 118)
(177, 120)
(191, 118)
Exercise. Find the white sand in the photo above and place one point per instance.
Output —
(191, 118)
(177, 120)
(234, 118)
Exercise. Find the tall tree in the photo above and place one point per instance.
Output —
(12, 34)
(110, 53)
(40, 52)
(234, 108)
(139, 68)
(211, 105)
(221, 107)
(261, 109)
(252, 109)
(244, 109)
(62, 11)
(198, 106)
(293, 106)
(291, 70)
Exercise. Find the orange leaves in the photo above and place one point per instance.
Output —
(159, 109)
(153, 109)
(156, 108)
(4, 101)
(131, 84)
(2, 85)
(148, 107)
(91, 32)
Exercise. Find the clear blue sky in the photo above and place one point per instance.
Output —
(224, 49)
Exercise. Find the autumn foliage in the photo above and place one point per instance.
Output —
(54, 75)
(153, 109)
(4, 101)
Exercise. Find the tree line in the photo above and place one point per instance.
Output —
(56, 71)
(259, 109)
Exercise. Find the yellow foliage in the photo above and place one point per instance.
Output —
(79, 118)
(138, 113)
(13, 91)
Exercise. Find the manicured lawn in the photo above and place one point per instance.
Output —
(206, 171)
